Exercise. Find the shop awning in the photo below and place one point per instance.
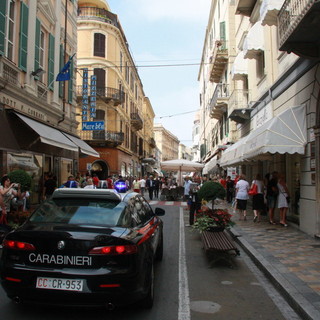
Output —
(240, 66)
(210, 165)
(49, 135)
(83, 146)
(269, 11)
(234, 154)
(253, 43)
(285, 133)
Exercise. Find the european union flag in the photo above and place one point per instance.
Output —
(64, 74)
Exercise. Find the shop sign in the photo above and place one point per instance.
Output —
(20, 106)
(262, 116)
(92, 125)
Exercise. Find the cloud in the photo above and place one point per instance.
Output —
(177, 10)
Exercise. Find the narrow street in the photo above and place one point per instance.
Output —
(186, 288)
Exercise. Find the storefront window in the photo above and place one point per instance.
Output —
(32, 164)
(123, 169)
(66, 170)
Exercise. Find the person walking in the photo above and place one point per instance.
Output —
(258, 199)
(156, 187)
(283, 199)
(49, 186)
(90, 184)
(136, 185)
(229, 189)
(195, 203)
(142, 182)
(242, 188)
(272, 195)
(150, 186)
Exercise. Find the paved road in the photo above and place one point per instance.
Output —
(186, 288)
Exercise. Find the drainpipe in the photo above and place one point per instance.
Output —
(64, 59)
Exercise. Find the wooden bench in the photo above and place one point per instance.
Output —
(219, 246)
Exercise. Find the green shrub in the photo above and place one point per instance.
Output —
(22, 177)
(211, 191)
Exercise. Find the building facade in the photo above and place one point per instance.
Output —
(167, 143)
(37, 113)
(273, 72)
(118, 102)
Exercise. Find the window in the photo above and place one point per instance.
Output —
(101, 81)
(260, 65)
(7, 19)
(99, 45)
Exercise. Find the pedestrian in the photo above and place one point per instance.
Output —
(8, 191)
(229, 189)
(142, 182)
(150, 186)
(156, 188)
(71, 183)
(95, 180)
(242, 188)
(272, 195)
(258, 199)
(283, 199)
(195, 203)
(136, 185)
(90, 184)
(49, 186)
(186, 186)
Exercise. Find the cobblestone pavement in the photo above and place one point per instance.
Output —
(289, 257)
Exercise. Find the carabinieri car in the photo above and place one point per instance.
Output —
(85, 247)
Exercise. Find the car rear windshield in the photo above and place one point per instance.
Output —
(98, 212)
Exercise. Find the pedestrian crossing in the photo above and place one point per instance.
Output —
(168, 203)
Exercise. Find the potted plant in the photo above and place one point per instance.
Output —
(210, 219)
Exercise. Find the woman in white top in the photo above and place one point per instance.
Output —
(242, 188)
(258, 199)
(90, 184)
(282, 199)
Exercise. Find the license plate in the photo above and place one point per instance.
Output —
(59, 284)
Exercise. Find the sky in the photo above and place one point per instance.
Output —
(167, 32)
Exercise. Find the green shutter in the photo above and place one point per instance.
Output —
(70, 84)
(37, 46)
(51, 62)
(223, 34)
(3, 9)
(23, 44)
(61, 64)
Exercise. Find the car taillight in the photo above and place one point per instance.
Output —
(18, 245)
(114, 250)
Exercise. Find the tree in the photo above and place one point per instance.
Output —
(211, 191)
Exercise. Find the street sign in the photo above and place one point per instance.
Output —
(93, 125)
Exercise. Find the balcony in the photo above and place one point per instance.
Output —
(136, 121)
(105, 94)
(98, 14)
(219, 101)
(299, 25)
(245, 7)
(152, 143)
(102, 138)
(238, 110)
(9, 72)
(218, 61)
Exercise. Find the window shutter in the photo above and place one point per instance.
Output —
(61, 64)
(3, 9)
(99, 45)
(23, 44)
(70, 84)
(37, 46)
(51, 62)
(223, 34)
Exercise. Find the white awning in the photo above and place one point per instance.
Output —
(83, 146)
(240, 66)
(254, 41)
(234, 154)
(49, 135)
(285, 133)
(210, 165)
(269, 11)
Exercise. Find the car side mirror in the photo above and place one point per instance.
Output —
(159, 212)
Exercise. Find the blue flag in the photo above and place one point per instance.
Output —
(64, 74)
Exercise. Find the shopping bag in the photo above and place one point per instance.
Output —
(253, 190)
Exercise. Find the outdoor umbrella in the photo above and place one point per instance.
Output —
(181, 165)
